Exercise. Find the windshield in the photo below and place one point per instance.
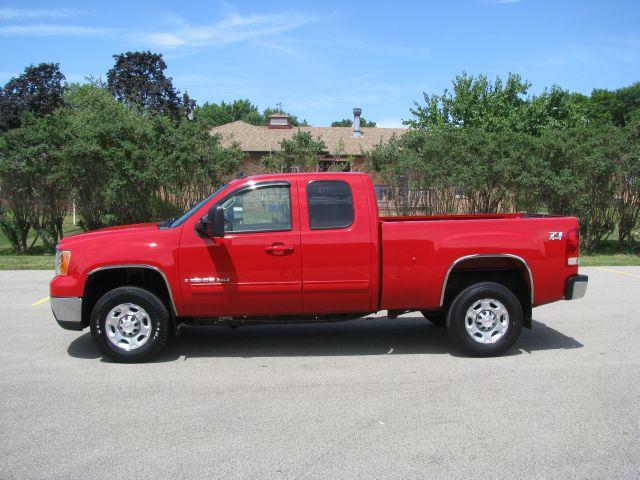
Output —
(180, 220)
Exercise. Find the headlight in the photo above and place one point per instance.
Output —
(63, 257)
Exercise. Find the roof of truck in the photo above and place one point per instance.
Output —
(268, 176)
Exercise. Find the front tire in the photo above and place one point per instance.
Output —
(485, 319)
(130, 324)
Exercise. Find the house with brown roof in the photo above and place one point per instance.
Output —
(346, 147)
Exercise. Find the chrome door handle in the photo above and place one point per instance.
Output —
(279, 249)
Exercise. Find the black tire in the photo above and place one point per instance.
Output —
(157, 317)
(437, 319)
(457, 326)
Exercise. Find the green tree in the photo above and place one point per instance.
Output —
(110, 151)
(630, 99)
(33, 181)
(556, 108)
(187, 107)
(348, 122)
(402, 164)
(498, 106)
(298, 154)
(495, 170)
(189, 162)
(579, 178)
(18, 176)
(474, 102)
(37, 91)
(617, 107)
(54, 183)
(628, 184)
(214, 114)
(459, 170)
(139, 78)
(604, 106)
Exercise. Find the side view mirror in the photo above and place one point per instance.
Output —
(213, 224)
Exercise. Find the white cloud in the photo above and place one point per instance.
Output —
(7, 13)
(40, 30)
(258, 29)
(233, 28)
(165, 39)
(21, 15)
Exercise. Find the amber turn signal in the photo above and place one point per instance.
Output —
(63, 258)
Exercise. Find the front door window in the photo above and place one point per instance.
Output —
(258, 210)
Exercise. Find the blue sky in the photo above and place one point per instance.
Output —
(320, 59)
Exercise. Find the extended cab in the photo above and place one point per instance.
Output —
(311, 247)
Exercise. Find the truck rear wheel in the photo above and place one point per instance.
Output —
(485, 319)
(130, 324)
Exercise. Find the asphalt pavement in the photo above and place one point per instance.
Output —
(367, 399)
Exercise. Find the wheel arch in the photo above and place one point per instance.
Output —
(510, 270)
(102, 279)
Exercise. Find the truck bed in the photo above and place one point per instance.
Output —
(418, 253)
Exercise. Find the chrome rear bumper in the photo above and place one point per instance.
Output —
(68, 312)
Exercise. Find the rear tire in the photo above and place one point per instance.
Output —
(485, 319)
(130, 324)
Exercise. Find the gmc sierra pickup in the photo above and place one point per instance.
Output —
(311, 247)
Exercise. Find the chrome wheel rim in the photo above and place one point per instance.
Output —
(128, 326)
(487, 320)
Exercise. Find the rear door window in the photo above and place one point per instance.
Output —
(330, 204)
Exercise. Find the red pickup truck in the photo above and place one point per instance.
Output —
(311, 247)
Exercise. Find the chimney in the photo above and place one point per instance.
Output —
(356, 122)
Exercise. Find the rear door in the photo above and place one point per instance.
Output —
(336, 245)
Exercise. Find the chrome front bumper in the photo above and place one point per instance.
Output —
(68, 312)
(576, 287)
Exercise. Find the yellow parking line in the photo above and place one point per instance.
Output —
(617, 271)
(40, 302)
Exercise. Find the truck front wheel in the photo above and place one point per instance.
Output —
(485, 319)
(130, 324)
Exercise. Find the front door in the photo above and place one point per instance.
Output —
(255, 269)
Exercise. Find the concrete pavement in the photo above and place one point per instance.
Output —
(368, 399)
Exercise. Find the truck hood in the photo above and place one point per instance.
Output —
(109, 232)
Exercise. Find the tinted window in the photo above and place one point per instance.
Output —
(330, 204)
(257, 210)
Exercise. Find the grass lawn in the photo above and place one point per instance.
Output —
(37, 259)
(25, 262)
(615, 260)
(609, 254)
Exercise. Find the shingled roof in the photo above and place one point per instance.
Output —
(252, 138)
